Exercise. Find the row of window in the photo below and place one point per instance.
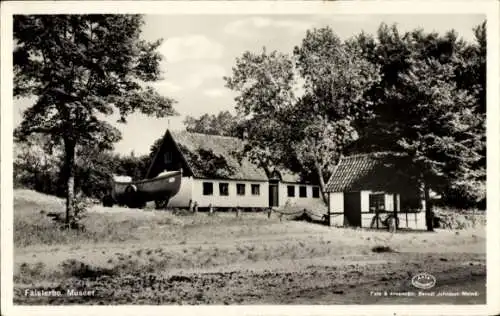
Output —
(208, 189)
(302, 191)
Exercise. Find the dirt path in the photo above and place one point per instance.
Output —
(348, 282)
(99, 254)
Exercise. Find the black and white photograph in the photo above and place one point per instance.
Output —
(266, 155)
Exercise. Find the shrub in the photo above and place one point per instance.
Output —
(80, 206)
(379, 249)
(78, 269)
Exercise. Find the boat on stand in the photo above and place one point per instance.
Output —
(135, 194)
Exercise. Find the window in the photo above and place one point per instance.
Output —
(303, 191)
(240, 188)
(315, 192)
(168, 157)
(208, 188)
(255, 189)
(291, 190)
(377, 202)
(224, 189)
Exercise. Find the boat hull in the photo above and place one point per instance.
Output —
(137, 193)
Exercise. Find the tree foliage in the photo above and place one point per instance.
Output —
(431, 105)
(37, 168)
(81, 68)
(417, 93)
(264, 82)
(223, 124)
(308, 131)
(36, 165)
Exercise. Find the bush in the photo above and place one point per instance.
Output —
(39, 169)
(460, 219)
(81, 270)
(466, 195)
(80, 206)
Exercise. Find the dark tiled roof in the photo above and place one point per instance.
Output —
(382, 171)
(222, 147)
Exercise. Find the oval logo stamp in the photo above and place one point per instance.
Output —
(423, 281)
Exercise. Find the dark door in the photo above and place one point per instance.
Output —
(352, 209)
(273, 195)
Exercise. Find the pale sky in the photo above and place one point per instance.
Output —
(200, 49)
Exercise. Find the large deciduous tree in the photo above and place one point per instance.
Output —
(336, 78)
(81, 68)
(418, 93)
(264, 83)
(438, 132)
(305, 126)
(430, 105)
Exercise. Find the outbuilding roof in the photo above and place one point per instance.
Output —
(382, 171)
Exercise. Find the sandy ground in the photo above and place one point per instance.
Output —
(345, 281)
(337, 278)
(250, 261)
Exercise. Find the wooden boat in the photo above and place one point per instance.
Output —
(137, 193)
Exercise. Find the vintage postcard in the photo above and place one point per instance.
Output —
(267, 157)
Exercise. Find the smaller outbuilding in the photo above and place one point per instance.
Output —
(366, 185)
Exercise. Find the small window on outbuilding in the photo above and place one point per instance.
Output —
(240, 188)
(377, 202)
(315, 192)
(208, 188)
(224, 189)
(303, 191)
(255, 189)
(291, 190)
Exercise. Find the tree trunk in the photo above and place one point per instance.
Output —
(322, 184)
(324, 196)
(429, 215)
(69, 174)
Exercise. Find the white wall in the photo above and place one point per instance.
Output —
(298, 201)
(181, 199)
(365, 201)
(336, 202)
(415, 220)
(231, 200)
(337, 220)
(389, 202)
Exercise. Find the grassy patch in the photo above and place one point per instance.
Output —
(32, 226)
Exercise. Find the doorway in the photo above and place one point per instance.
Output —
(352, 209)
(273, 195)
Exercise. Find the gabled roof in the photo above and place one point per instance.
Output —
(219, 157)
(383, 171)
(221, 147)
